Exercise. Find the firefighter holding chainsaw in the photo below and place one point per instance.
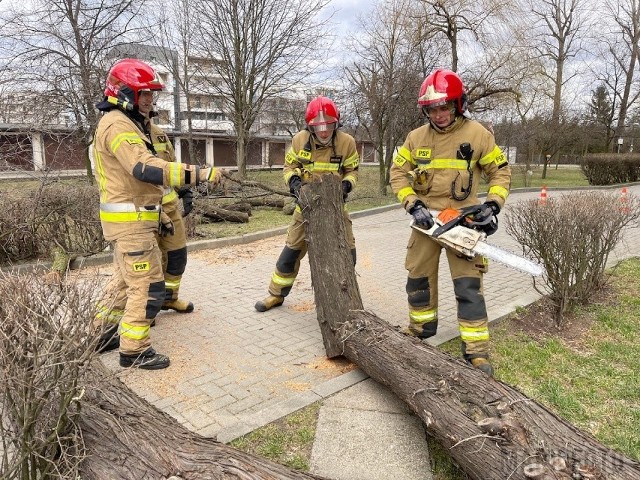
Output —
(131, 171)
(319, 149)
(440, 166)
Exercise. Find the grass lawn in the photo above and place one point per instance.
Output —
(588, 372)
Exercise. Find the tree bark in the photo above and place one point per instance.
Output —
(219, 214)
(267, 202)
(491, 430)
(130, 439)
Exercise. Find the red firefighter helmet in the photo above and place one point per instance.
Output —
(443, 86)
(321, 113)
(128, 77)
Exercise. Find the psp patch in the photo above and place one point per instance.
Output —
(141, 266)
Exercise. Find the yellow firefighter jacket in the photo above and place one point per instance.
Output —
(131, 174)
(435, 167)
(164, 150)
(308, 159)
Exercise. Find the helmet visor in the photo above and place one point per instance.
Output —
(322, 127)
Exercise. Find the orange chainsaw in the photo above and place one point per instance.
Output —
(458, 231)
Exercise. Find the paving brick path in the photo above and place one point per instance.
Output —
(234, 369)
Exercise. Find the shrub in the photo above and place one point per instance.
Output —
(611, 169)
(36, 220)
(46, 343)
(572, 237)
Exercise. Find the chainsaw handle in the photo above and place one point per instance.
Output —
(460, 219)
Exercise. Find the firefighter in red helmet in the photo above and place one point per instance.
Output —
(440, 166)
(320, 149)
(131, 170)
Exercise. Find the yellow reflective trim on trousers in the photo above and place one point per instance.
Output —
(169, 196)
(172, 284)
(405, 192)
(108, 315)
(126, 217)
(500, 191)
(447, 163)
(403, 156)
(317, 167)
(129, 137)
(135, 333)
(175, 174)
(423, 316)
(282, 281)
(352, 161)
(474, 333)
(494, 156)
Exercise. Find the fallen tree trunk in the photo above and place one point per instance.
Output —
(218, 214)
(244, 207)
(130, 439)
(491, 430)
(266, 202)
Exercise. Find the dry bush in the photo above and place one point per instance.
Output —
(572, 236)
(46, 343)
(35, 221)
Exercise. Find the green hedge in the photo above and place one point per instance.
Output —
(611, 168)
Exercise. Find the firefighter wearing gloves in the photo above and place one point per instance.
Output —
(440, 166)
(319, 149)
(131, 176)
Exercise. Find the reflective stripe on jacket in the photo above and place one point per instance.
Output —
(308, 159)
(431, 163)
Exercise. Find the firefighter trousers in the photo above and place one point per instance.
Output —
(174, 252)
(295, 249)
(134, 295)
(422, 260)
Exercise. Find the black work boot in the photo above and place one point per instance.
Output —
(109, 340)
(147, 360)
(483, 365)
(180, 306)
(270, 302)
(421, 330)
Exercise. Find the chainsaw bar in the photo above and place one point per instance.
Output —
(471, 242)
(509, 259)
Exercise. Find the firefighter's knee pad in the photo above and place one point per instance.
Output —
(177, 261)
(471, 305)
(287, 261)
(156, 299)
(418, 294)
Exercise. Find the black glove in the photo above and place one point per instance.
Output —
(486, 219)
(487, 210)
(421, 215)
(346, 188)
(187, 200)
(166, 225)
(295, 183)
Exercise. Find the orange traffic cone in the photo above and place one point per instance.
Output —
(624, 200)
(543, 196)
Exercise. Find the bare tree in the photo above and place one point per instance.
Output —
(624, 45)
(260, 47)
(175, 37)
(452, 19)
(560, 28)
(385, 77)
(59, 48)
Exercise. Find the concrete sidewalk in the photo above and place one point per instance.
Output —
(234, 369)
